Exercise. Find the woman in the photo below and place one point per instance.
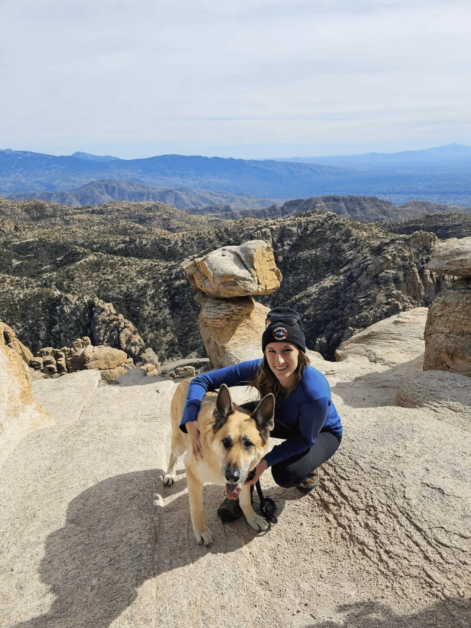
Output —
(305, 417)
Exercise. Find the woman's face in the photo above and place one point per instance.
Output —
(282, 358)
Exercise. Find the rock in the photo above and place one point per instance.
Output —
(452, 257)
(36, 363)
(10, 339)
(447, 395)
(65, 397)
(110, 328)
(105, 358)
(184, 371)
(60, 361)
(111, 375)
(149, 357)
(231, 329)
(235, 271)
(392, 341)
(448, 331)
(45, 351)
(77, 345)
(19, 412)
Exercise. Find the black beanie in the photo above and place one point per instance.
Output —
(284, 327)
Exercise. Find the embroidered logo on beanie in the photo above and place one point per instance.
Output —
(280, 333)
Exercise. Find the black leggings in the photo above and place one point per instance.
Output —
(290, 472)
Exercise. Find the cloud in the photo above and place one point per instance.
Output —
(122, 77)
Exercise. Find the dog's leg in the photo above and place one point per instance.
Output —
(195, 493)
(169, 478)
(255, 521)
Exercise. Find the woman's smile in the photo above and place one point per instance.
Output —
(283, 361)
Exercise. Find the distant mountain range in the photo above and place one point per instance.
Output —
(440, 174)
(27, 172)
(451, 156)
(100, 192)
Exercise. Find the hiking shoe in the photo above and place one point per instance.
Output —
(229, 510)
(310, 481)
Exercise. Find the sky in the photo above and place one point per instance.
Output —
(251, 79)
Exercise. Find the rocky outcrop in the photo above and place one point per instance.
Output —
(393, 341)
(19, 412)
(235, 271)
(112, 329)
(448, 331)
(10, 340)
(82, 355)
(452, 257)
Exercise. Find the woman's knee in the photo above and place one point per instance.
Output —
(284, 477)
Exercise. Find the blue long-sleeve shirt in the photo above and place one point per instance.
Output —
(308, 410)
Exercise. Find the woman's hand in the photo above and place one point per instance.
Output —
(259, 469)
(194, 433)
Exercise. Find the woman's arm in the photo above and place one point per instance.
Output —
(312, 417)
(200, 385)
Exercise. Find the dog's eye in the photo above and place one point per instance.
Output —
(248, 444)
(227, 442)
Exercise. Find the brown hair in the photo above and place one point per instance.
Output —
(265, 380)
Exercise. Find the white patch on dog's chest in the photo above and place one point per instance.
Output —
(206, 475)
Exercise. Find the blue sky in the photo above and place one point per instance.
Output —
(258, 79)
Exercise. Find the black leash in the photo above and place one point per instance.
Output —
(267, 505)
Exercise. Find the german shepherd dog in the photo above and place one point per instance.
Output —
(233, 441)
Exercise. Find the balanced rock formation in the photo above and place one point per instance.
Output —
(448, 329)
(235, 271)
(19, 412)
(231, 329)
(231, 322)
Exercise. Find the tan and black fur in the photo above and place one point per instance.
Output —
(233, 441)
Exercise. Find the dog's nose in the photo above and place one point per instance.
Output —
(232, 476)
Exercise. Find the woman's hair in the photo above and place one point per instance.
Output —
(266, 382)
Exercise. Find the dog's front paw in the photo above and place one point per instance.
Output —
(169, 479)
(258, 523)
(204, 537)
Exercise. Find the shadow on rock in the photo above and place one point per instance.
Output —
(449, 613)
(377, 389)
(117, 535)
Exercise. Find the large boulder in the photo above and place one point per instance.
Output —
(448, 331)
(104, 358)
(452, 257)
(231, 329)
(395, 340)
(235, 271)
(19, 412)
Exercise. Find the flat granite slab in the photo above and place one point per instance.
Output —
(65, 397)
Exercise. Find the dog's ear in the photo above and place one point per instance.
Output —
(223, 407)
(264, 415)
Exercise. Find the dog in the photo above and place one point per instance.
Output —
(233, 442)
